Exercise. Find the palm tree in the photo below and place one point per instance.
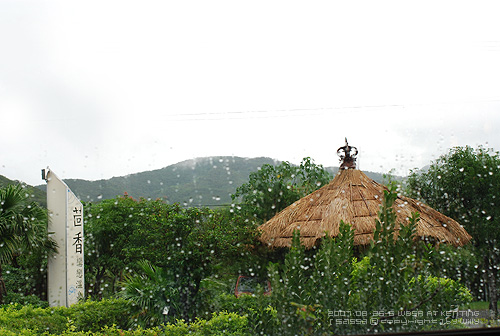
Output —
(23, 228)
(152, 291)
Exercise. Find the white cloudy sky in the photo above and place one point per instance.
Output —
(96, 89)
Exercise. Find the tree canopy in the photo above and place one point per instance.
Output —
(465, 185)
(273, 188)
(122, 233)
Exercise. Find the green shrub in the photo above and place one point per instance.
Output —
(449, 293)
(88, 316)
(179, 328)
(13, 298)
(223, 324)
(8, 332)
(99, 318)
(230, 303)
(17, 319)
(94, 315)
(114, 331)
(256, 308)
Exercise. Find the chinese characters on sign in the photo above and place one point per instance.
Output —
(78, 243)
(79, 274)
(75, 261)
(77, 216)
(66, 269)
(77, 221)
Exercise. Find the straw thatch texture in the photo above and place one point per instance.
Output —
(354, 198)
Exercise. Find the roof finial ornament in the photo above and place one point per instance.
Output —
(347, 156)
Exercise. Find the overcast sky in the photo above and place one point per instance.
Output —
(96, 89)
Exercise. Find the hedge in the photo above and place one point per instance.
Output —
(108, 317)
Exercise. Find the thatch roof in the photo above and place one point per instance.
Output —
(354, 198)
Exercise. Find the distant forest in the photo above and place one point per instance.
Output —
(208, 181)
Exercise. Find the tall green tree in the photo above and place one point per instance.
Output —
(273, 188)
(464, 184)
(23, 228)
(189, 241)
(109, 224)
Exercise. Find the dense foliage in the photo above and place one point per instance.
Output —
(23, 229)
(322, 291)
(154, 268)
(273, 188)
(103, 319)
(184, 245)
(465, 185)
(331, 291)
(107, 317)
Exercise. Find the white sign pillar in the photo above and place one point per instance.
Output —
(66, 282)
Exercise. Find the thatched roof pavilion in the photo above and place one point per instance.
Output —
(354, 198)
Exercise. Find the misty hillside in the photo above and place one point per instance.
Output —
(208, 181)
(198, 182)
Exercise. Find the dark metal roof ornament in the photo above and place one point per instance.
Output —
(347, 156)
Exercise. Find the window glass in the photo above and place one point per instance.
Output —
(202, 140)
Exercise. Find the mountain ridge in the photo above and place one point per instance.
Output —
(202, 181)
